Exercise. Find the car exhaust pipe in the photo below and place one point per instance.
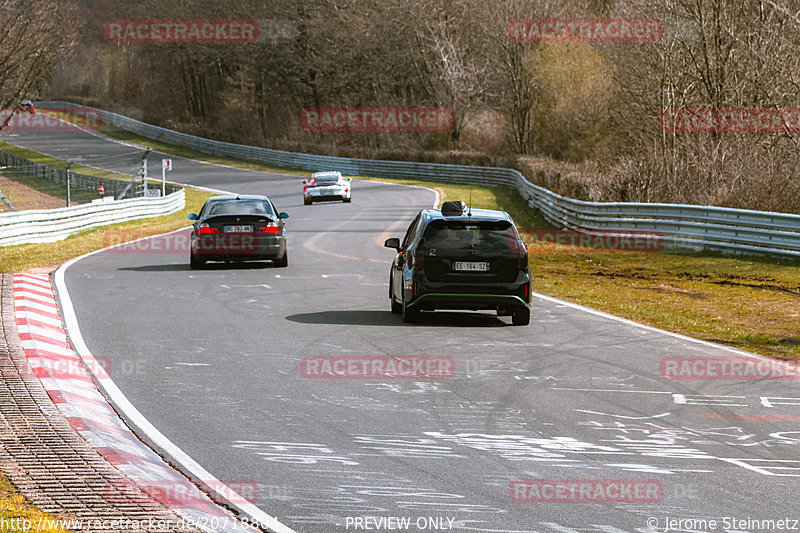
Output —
(502, 310)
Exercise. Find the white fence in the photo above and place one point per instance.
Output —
(686, 226)
(51, 225)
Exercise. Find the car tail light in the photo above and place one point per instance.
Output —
(205, 229)
(522, 260)
(269, 228)
(516, 243)
(415, 288)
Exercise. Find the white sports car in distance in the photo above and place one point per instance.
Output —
(326, 186)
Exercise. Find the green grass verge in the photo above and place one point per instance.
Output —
(15, 511)
(745, 302)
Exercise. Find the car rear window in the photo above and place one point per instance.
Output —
(327, 180)
(240, 207)
(460, 235)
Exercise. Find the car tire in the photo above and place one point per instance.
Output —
(195, 263)
(283, 261)
(521, 316)
(307, 201)
(347, 200)
(409, 315)
(396, 307)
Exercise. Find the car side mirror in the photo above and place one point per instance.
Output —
(284, 215)
(192, 217)
(394, 243)
(348, 179)
(304, 181)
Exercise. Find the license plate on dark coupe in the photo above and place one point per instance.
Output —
(238, 229)
(471, 266)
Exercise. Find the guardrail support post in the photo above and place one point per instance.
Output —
(69, 165)
(145, 155)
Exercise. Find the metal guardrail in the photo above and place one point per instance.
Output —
(51, 225)
(682, 226)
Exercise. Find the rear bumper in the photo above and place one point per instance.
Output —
(473, 302)
(424, 294)
(324, 197)
(246, 248)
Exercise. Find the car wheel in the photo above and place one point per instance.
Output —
(521, 316)
(409, 315)
(347, 200)
(283, 261)
(396, 307)
(307, 201)
(195, 263)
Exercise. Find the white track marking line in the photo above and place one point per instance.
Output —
(121, 402)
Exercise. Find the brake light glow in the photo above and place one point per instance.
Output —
(269, 228)
(205, 229)
(415, 288)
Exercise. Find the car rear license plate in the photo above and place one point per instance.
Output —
(471, 266)
(238, 229)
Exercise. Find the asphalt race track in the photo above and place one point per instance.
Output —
(213, 359)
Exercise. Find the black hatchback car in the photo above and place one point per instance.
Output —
(459, 258)
(238, 228)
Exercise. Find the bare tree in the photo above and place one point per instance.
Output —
(715, 54)
(515, 88)
(440, 43)
(34, 34)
